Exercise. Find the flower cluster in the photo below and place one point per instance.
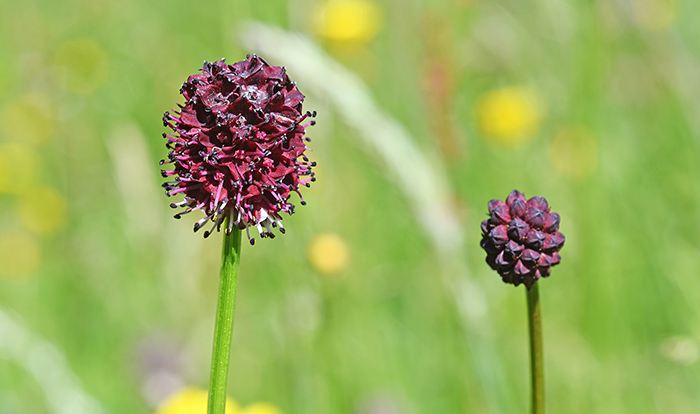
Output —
(521, 238)
(238, 145)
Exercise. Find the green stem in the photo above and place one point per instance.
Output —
(223, 327)
(534, 315)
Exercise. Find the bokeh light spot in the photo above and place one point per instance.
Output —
(654, 14)
(351, 21)
(20, 255)
(328, 254)
(84, 65)
(574, 152)
(41, 210)
(681, 350)
(509, 115)
(28, 119)
(18, 167)
(191, 401)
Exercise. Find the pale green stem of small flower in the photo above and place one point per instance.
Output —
(534, 315)
(223, 327)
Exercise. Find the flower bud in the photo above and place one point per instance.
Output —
(485, 226)
(534, 239)
(518, 229)
(499, 235)
(551, 222)
(538, 202)
(535, 217)
(500, 215)
(514, 249)
(518, 208)
(493, 204)
(515, 195)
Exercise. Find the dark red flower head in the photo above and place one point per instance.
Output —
(237, 145)
(521, 238)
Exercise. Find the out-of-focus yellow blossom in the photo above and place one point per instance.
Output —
(348, 21)
(328, 254)
(83, 64)
(655, 14)
(194, 401)
(574, 152)
(510, 115)
(18, 166)
(191, 401)
(261, 408)
(20, 255)
(28, 119)
(41, 209)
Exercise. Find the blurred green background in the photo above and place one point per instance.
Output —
(107, 303)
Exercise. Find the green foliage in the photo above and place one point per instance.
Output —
(127, 293)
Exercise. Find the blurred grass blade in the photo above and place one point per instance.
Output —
(134, 176)
(47, 365)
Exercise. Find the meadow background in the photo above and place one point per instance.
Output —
(378, 299)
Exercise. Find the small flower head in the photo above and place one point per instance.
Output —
(237, 146)
(521, 238)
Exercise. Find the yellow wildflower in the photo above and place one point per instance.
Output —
(191, 401)
(574, 152)
(349, 21)
(510, 115)
(328, 254)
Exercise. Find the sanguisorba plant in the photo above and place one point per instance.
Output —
(522, 242)
(237, 151)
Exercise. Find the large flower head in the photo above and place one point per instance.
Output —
(237, 146)
(521, 238)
